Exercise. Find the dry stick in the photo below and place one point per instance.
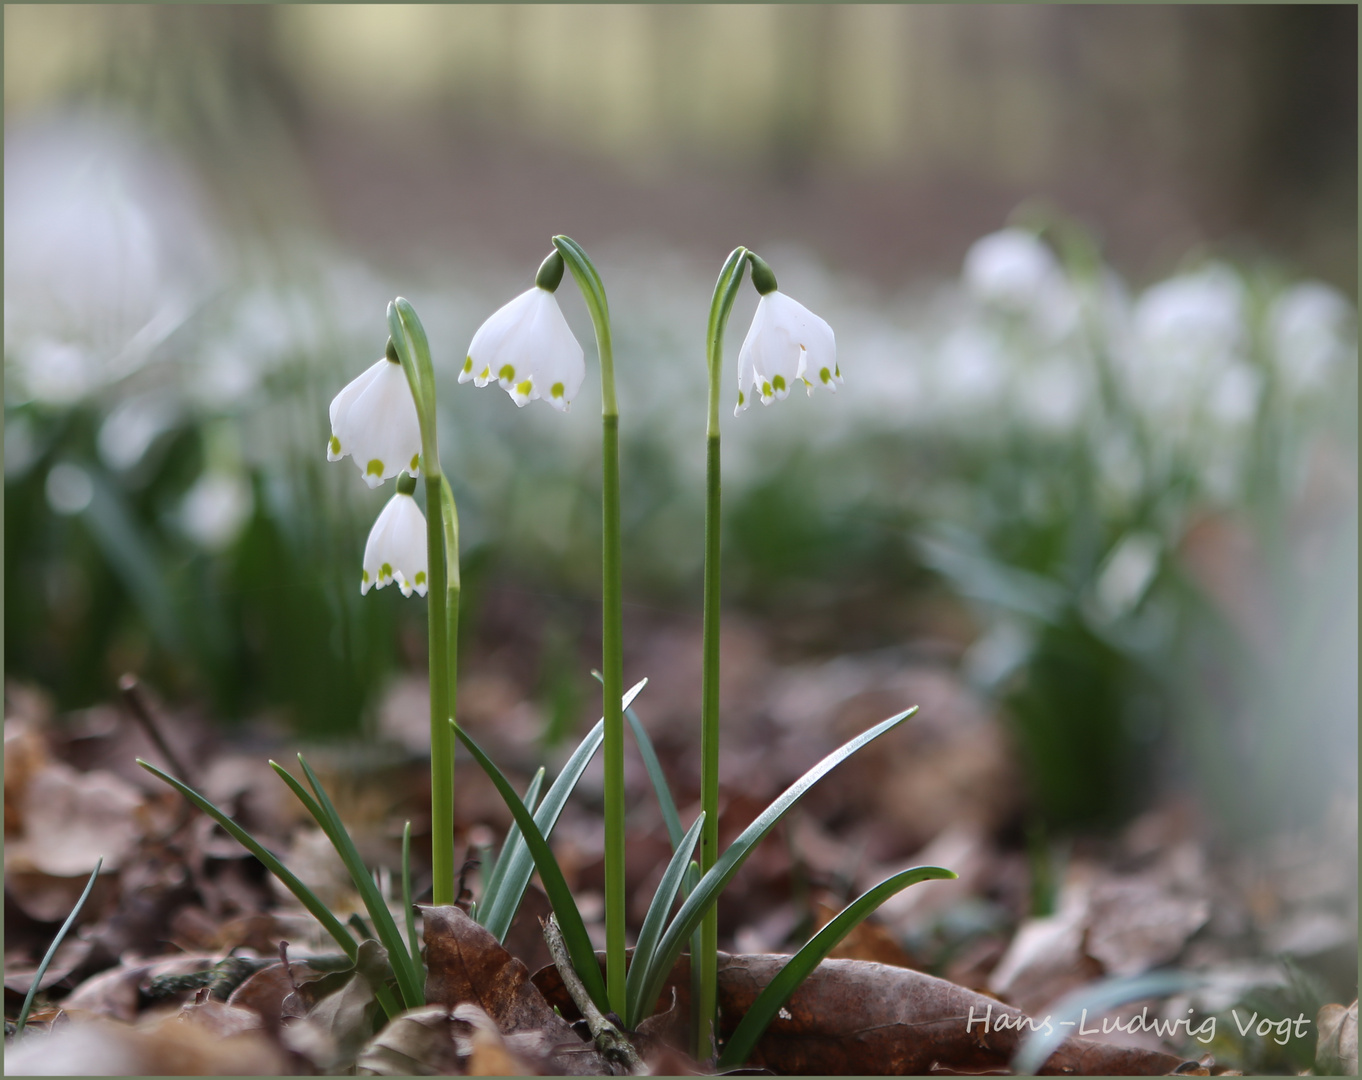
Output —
(609, 1039)
(140, 708)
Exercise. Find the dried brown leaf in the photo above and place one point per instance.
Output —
(466, 964)
(1336, 1051)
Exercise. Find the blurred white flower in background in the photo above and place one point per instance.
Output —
(69, 488)
(1015, 271)
(132, 426)
(1312, 328)
(216, 508)
(107, 251)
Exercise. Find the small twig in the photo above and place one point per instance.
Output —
(140, 707)
(609, 1039)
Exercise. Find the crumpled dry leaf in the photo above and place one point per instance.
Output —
(490, 1053)
(117, 992)
(858, 1017)
(1137, 923)
(165, 1047)
(335, 1013)
(73, 819)
(221, 1019)
(1336, 1051)
(418, 1042)
(1046, 959)
(855, 1017)
(466, 964)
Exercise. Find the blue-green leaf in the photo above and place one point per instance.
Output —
(560, 896)
(501, 909)
(707, 890)
(653, 922)
(495, 869)
(306, 896)
(52, 949)
(777, 992)
(410, 982)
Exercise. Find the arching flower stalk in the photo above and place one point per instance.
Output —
(786, 344)
(528, 349)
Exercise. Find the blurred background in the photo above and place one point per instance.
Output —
(1091, 271)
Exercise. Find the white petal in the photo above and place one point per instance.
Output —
(528, 348)
(396, 549)
(380, 428)
(340, 404)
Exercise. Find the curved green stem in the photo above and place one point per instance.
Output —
(705, 966)
(612, 622)
(413, 349)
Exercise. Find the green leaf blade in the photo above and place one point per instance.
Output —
(409, 980)
(290, 881)
(578, 943)
(658, 911)
(779, 990)
(707, 890)
(518, 861)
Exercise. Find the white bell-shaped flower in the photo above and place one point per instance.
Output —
(787, 343)
(527, 347)
(396, 550)
(374, 421)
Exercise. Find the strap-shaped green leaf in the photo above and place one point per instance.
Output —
(560, 896)
(413, 942)
(777, 992)
(653, 766)
(287, 878)
(653, 922)
(707, 890)
(409, 980)
(52, 949)
(501, 908)
(496, 869)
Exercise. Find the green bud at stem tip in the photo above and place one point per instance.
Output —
(762, 277)
(406, 484)
(391, 353)
(550, 272)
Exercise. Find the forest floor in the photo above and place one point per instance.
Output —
(140, 986)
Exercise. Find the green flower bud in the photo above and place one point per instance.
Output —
(550, 272)
(762, 276)
(406, 484)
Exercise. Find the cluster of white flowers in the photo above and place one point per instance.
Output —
(374, 421)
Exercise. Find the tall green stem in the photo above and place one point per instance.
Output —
(612, 622)
(705, 964)
(442, 540)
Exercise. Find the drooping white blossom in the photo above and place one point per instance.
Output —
(396, 549)
(374, 421)
(528, 349)
(787, 343)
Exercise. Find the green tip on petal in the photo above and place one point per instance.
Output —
(826, 376)
(374, 468)
(766, 389)
(778, 382)
(415, 463)
(468, 364)
(556, 390)
(334, 445)
(525, 387)
(366, 577)
(420, 578)
(742, 398)
(507, 373)
(385, 571)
